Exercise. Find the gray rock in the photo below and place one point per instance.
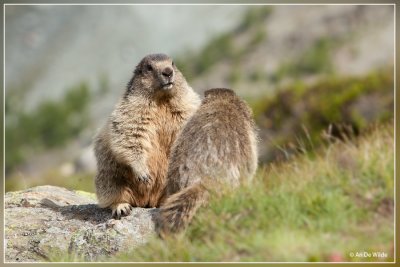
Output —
(49, 223)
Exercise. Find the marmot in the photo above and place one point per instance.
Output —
(217, 146)
(132, 149)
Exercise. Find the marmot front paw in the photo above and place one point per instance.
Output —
(121, 209)
(141, 171)
(144, 178)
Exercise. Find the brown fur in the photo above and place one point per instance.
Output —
(217, 148)
(133, 147)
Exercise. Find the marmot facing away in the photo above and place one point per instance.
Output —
(133, 148)
(217, 146)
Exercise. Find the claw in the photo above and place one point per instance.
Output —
(144, 178)
(121, 209)
(127, 211)
(116, 214)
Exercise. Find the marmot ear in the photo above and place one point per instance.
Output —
(137, 71)
(129, 85)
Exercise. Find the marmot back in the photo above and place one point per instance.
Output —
(133, 148)
(216, 147)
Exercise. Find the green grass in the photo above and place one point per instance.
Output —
(317, 208)
(80, 181)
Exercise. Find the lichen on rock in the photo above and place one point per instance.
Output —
(47, 223)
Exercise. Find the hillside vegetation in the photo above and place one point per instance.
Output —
(319, 208)
(51, 124)
(301, 117)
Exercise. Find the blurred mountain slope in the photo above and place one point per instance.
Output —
(256, 50)
(302, 42)
(51, 48)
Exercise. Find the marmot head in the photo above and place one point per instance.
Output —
(219, 92)
(219, 96)
(156, 73)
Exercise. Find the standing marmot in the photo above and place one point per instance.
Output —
(133, 147)
(216, 147)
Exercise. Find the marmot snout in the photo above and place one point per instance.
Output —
(158, 70)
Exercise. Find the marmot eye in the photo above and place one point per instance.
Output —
(173, 64)
(149, 67)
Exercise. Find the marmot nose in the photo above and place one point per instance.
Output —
(167, 72)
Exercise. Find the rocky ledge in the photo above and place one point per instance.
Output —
(48, 223)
